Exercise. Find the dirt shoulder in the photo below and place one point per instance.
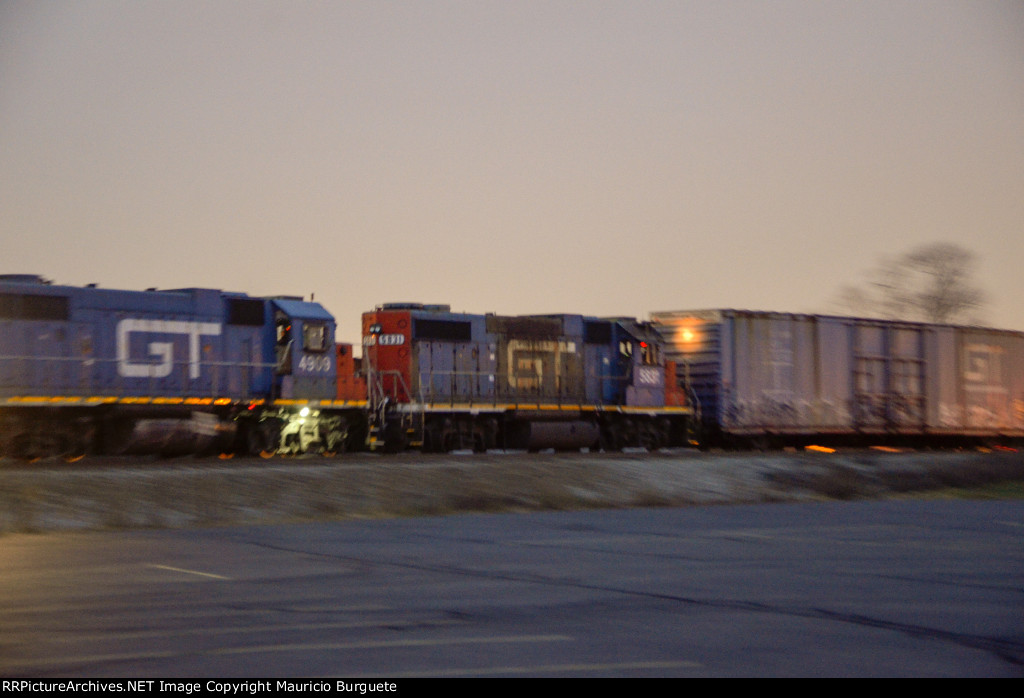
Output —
(171, 494)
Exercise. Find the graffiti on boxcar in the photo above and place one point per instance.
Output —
(985, 394)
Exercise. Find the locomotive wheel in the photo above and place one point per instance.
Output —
(479, 440)
(463, 435)
(394, 436)
(621, 434)
(608, 437)
(487, 431)
(262, 439)
(459, 437)
(45, 440)
(21, 447)
(445, 436)
(650, 437)
(335, 438)
(74, 449)
(77, 441)
(253, 440)
(431, 437)
(631, 433)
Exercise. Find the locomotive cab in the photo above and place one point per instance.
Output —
(641, 364)
(303, 350)
(305, 377)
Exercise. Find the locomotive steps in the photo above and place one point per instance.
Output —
(108, 494)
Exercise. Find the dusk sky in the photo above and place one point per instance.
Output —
(605, 158)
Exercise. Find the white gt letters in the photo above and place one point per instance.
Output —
(164, 351)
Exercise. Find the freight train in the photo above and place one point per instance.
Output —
(764, 378)
(85, 369)
(91, 370)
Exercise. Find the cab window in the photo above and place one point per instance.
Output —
(284, 331)
(649, 354)
(314, 337)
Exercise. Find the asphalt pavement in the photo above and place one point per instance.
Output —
(892, 588)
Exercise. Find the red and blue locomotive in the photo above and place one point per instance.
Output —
(445, 381)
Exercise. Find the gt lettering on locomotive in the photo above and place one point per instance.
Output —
(162, 351)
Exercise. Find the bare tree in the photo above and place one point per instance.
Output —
(931, 283)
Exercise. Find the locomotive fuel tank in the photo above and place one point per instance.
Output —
(168, 436)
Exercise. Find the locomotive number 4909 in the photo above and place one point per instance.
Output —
(315, 364)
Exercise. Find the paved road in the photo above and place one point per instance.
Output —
(841, 589)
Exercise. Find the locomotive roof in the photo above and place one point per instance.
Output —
(303, 310)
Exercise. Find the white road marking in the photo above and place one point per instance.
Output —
(546, 669)
(179, 569)
(30, 665)
(377, 644)
(108, 636)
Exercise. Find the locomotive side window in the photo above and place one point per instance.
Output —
(245, 311)
(442, 330)
(597, 333)
(28, 306)
(283, 350)
(284, 331)
(314, 337)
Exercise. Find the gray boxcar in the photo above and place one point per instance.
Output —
(762, 373)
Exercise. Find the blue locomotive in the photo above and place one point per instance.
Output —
(91, 369)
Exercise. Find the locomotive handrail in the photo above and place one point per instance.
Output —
(452, 398)
(431, 396)
(93, 376)
(375, 386)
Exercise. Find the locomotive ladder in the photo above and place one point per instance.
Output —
(381, 406)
